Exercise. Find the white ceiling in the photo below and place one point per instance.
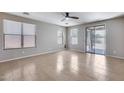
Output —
(56, 17)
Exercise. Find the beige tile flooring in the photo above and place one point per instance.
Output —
(63, 65)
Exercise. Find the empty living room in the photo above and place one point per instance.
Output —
(61, 46)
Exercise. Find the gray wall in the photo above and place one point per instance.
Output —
(114, 38)
(46, 38)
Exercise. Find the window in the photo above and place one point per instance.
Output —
(74, 36)
(18, 35)
(12, 34)
(60, 37)
(29, 35)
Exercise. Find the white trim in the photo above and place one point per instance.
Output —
(53, 52)
(115, 56)
(104, 55)
(32, 55)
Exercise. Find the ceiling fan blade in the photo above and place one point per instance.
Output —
(73, 17)
(63, 14)
(63, 19)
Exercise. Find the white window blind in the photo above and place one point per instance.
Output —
(29, 35)
(74, 36)
(12, 34)
(28, 29)
(18, 35)
(60, 37)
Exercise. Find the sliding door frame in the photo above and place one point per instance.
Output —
(94, 37)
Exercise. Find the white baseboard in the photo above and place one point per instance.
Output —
(53, 52)
(105, 55)
(77, 50)
(31, 55)
(115, 56)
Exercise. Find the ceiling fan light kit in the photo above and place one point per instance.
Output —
(67, 17)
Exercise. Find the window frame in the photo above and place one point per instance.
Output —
(21, 35)
(4, 48)
(23, 41)
(62, 37)
(28, 35)
(73, 37)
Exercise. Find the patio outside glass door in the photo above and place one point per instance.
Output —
(90, 40)
(96, 40)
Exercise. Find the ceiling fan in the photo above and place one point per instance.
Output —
(69, 17)
(26, 13)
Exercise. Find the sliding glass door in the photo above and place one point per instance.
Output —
(95, 40)
(90, 40)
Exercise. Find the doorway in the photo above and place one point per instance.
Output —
(96, 40)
